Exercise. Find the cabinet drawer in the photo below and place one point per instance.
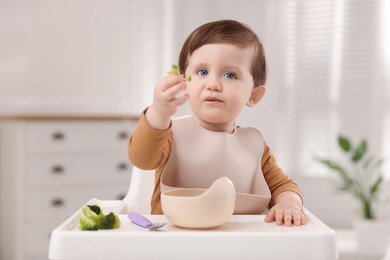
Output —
(37, 238)
(78, 136)
(63, 170)
(56, 206)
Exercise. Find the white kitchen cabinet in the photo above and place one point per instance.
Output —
(49, 167)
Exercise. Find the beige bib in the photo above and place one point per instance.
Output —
(200, 156)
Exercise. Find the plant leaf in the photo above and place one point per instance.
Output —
(339, 169)
(367, 162)
(360, 151)
(372, 164)
(344, 143)
(375, 187)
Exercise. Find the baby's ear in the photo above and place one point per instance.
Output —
(257, 94)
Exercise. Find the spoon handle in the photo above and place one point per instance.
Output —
(139, 219)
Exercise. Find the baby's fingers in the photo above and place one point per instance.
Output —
(303, 218)
(175, 92)
(288, 218)
(299, 218)
(274, 215)
(170, 81)
(270, 215)
(180, 99)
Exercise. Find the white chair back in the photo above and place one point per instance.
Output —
(138, 198)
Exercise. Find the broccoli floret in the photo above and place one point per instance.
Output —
(87, 223)
(93, 218)
(95, 208)
(176, 71)
(89, 213)
(110, 221)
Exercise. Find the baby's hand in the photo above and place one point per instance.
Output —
(287, 210)
(169, 93)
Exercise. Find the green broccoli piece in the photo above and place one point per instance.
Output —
(110, 221)
(95, 208)
(93, 218)
(87, 223)
(176, 71)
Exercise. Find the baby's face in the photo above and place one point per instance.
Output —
(221, 84)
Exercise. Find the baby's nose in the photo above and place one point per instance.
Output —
(213, 85)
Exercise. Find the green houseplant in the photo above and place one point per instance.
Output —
(359, 173)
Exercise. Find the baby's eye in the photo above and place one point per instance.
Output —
(230, 75)
(202, 72)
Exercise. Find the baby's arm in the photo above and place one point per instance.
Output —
(286, 198)
(149, 147)
(166, 101)
(287, 210)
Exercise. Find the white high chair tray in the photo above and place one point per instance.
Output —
(242, 237)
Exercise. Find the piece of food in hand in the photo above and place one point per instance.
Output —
(187, 77)
(176, 71)
(93, 218)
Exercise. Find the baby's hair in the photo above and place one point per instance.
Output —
(230, 32)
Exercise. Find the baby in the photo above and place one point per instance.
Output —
(226, 64)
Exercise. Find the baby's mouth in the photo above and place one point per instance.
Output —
(213, 99)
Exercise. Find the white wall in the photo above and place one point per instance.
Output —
(78, 56)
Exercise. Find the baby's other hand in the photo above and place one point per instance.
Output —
(287, 210)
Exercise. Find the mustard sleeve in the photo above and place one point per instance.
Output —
(276, 179)
(149, 148)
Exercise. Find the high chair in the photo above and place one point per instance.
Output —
(239, 238)
(138, 198)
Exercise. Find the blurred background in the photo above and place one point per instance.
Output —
(328, 72)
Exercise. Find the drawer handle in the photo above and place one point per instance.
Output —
(123, 135)
(57, 203)
(58, 136)
(121, 196)
(57, 169)
(122, 166)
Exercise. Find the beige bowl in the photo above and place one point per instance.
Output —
(200, 208)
